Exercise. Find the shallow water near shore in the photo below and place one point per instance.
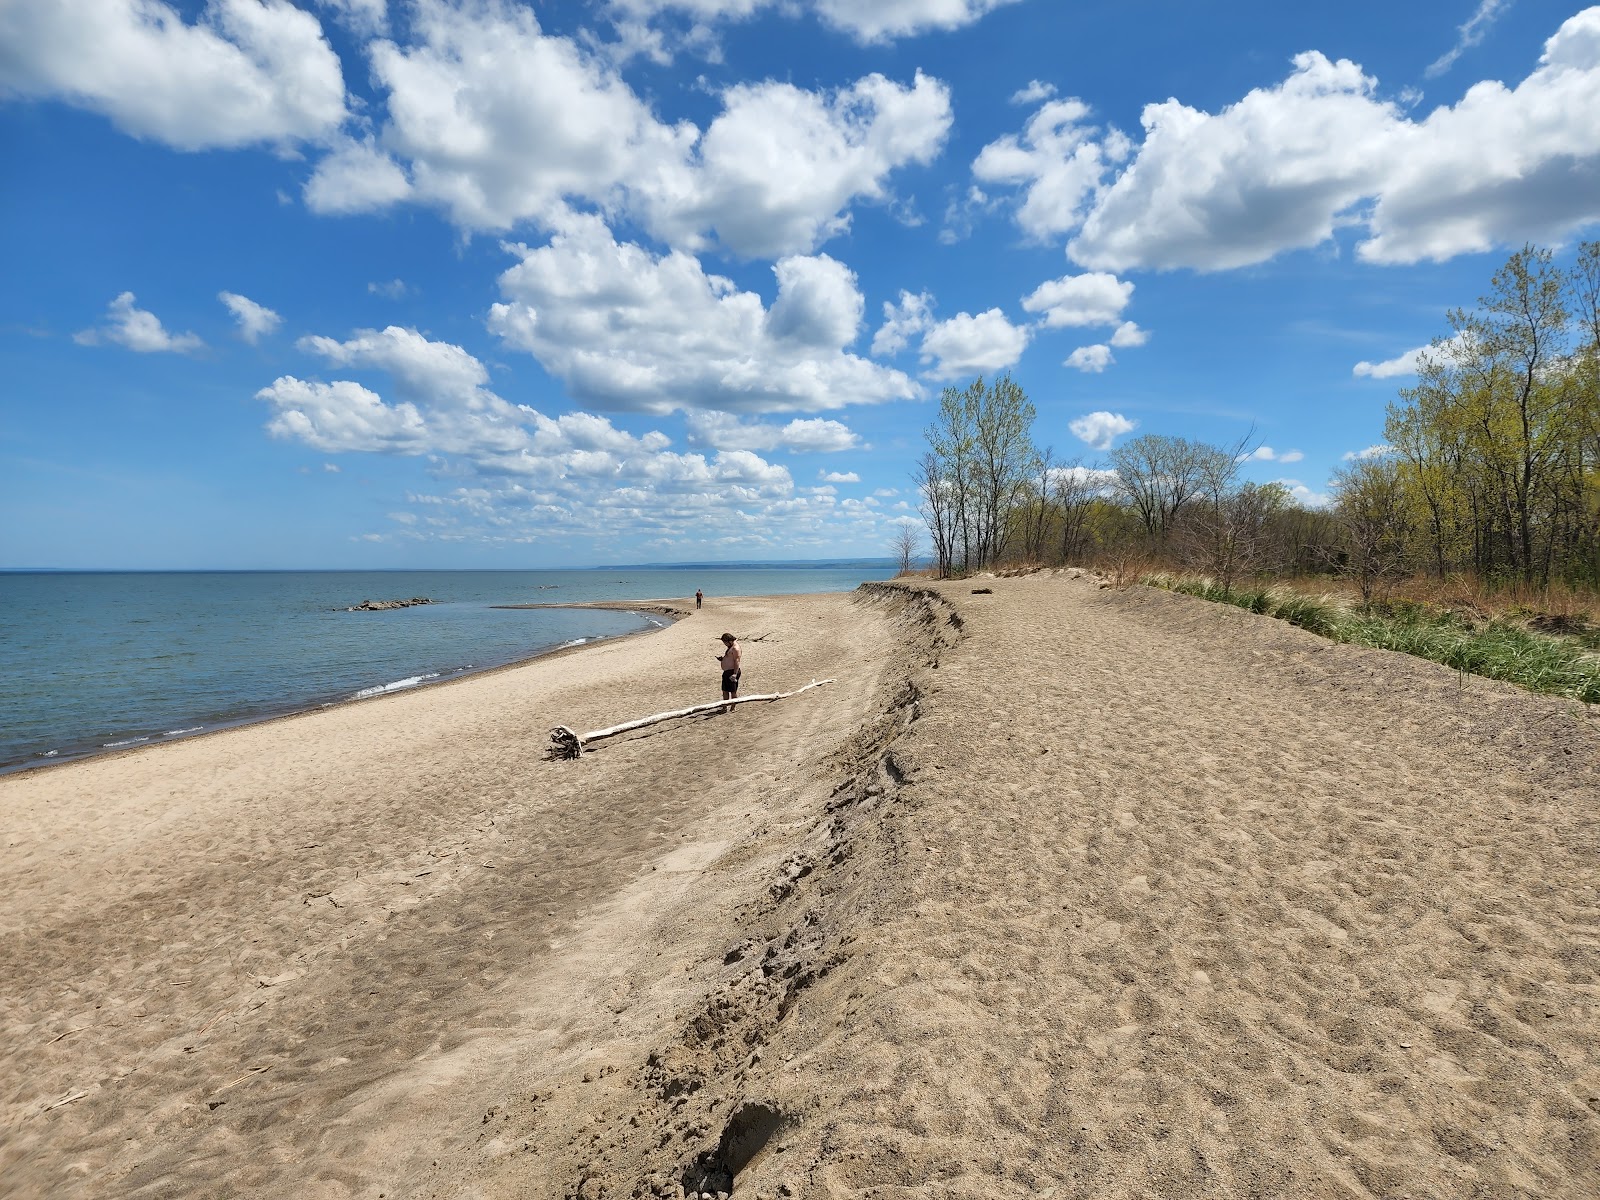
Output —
(96, 662)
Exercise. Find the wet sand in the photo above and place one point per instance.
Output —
(1056, 891)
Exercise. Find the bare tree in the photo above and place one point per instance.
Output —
(937, 493)
(1376, 515)
(906, 544)
(1157, 475)
(1075, 488)
(1226, 523)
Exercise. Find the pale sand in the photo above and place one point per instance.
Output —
(1056, 892)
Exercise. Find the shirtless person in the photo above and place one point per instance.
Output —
(729, 658)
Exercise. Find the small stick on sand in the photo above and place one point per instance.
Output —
(65, 1101)
(242, 1078)
(565, 743)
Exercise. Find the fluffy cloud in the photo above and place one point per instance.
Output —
(1033, 93)
(1058, 163)
(1129, 335)
(778, 167)
(248, 71)
(625, 329)
(356, 176)
(1100, 429)
(802, 435)
(1286, 165)
(1095, 298)
(1404, 364)
(341, 416)
(903, 320)
(1090, 359)
(1268, 454)
(838, 477)
(255, 320)
(966, 344)
(1269, 173)
(1501, 166)
(1304, 494)
(1377, 451)
(576, 463)
(496, 122)
(128, 325)
(879, 21)
(1096, 478)
(886, 19)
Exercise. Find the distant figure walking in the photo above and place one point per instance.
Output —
(699, 597)
(729, 658)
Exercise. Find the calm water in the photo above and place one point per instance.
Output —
(94, 662)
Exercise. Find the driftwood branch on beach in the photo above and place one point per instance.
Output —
(566, 743)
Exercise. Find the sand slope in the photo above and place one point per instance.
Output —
(1060, 891)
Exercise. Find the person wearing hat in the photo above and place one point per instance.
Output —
(729, 658)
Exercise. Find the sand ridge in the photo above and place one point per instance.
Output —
(1066, 891)
(288, 957)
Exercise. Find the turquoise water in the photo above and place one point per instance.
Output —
(92, 662)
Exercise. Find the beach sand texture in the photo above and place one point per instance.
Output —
(1057, 891)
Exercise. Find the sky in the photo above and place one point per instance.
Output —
(478, 283)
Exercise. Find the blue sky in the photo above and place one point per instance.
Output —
(356, 283)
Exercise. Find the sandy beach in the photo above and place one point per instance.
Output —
(1055, 891)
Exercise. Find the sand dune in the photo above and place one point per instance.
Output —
(1058, 891)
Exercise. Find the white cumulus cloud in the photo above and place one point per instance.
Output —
(1268, 454)
(129, 325)
(1286, 165)
(496, 122)
(1100, 429)
(1377, 451)
(245, 72)
(723, 431)
(1033, 93)
(626, 329)
(967, 344)
(903, 320)
(1095, 298)
(255, 320)
(872, 22)
(1128, 335)
(1090, 359)
(838, 477)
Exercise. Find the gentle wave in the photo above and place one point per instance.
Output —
(181, 732)
(119, 745)
(399, 685)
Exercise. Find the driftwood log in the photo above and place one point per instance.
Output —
(567, 743)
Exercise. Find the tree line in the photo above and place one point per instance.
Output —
(1492, 462)
(1492, 465)
(990, 496)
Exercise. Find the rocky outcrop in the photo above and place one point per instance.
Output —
(381, 605)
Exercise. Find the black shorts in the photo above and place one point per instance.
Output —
(730, 682)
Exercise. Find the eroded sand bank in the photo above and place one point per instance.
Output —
(1057, 891)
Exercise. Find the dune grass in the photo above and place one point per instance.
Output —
(1497, 649)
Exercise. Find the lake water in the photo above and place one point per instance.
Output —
(91, 662)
